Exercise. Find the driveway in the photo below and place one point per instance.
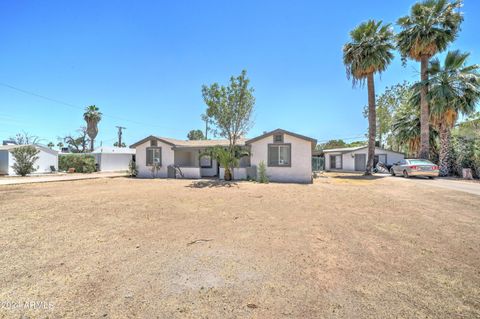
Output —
(471, 187)
(57, 178)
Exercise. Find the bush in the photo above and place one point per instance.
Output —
(25, 158)
(262, 173)
(81, 163)
(132, 169)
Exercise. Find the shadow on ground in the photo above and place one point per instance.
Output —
(211, 183)
(359, 177)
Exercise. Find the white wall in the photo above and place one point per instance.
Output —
(45, 160)
(300, 170)
(348, 159)
(141, 157)
(113, 162)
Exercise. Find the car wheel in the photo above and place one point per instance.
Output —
(405, 174)
(431, 177)
(392, 172)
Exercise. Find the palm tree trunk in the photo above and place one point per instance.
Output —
(444, 157)
(424, 111)
(91, 144)
(372, 123)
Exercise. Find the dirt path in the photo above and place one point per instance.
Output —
(343, 247)
(7, 180)
(455, 185)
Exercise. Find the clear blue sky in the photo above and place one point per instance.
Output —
(147, 60)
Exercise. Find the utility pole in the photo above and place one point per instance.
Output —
(120, 128)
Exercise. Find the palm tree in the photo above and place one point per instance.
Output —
(430, 27)
(92, 116)
(454, 89)
(369, 52)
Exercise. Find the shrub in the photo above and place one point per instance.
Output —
(132, 169)
(81, 163)
(262, 173)
(25, 158)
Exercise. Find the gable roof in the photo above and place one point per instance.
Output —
(282, 131)
(37, 146)
(186, 143)
(356, 148)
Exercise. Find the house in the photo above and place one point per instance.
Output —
(110, 159)
(47, 159)
(287, 157)
(355, 158)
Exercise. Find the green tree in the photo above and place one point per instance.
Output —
(369, 52)
(51, 145)
(92, 116)
(387, 103)
(25, 158)
(228, 158)
(25, 138)
(60, 145)
(230, 109)
(77, 144)
(195, 135)
(430, 27)
(117, 145)
(454, 88)
(331, 144)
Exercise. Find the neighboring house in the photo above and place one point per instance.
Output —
(48, 158)
(110, 159)
(355, 158)
(287, 156)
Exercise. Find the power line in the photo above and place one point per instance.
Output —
(79, 107)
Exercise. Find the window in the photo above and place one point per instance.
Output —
(278, 138)
(206, 161)
(336, 161)
(154, 156)
(279, 155)
(153, 143)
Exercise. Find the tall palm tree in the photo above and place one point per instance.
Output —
(430, 27)
(454, 89)
(369, 52)
(92, 116)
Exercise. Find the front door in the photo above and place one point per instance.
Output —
(360, 162)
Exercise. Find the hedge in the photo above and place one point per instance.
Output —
(81, 162)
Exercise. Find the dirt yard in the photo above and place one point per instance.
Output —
(344, 247)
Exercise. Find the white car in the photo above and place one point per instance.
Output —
(415, 167)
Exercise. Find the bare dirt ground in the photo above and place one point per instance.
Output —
(344, 247)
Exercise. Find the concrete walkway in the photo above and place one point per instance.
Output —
(57, 178)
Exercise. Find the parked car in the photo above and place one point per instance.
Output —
(414, 167)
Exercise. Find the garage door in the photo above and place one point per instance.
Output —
(360, 162)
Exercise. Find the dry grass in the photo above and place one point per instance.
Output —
(340, 248)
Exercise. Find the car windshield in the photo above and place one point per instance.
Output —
(420, 162)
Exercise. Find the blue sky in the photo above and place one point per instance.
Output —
(144, 62)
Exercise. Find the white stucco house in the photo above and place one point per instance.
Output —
(355, 158)
(47, 159)
(111, 159)
(287, 156)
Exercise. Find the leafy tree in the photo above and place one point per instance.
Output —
(132, 168)
(387, 103)
(50, 145)
(92, 116)
(82, 163)
(25, 138)
(454, 89)
(60, 145)
(195, 135)
(25, 158)
(331, 144)
(122, 145)
(227, 157)
(369, 52)
(430, 27)
(230, 109)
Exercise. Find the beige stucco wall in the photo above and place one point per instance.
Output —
(300, 170)
(141, 158)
